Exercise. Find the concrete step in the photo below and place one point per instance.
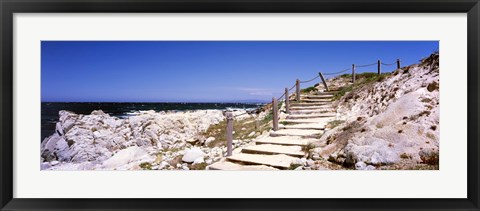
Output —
(325, 93)
(272, 149)
(304, 126)
(294, 108)
(229, 166)
(314, 120)
(316, 96)
(286, 140)
(312, 111)
(309, 100)
(305, 104)
(297, 132)
(310, 116)
(277, 161)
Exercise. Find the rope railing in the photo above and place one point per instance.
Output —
(365, 65)
(389, 63)
(309, 80)
(342, 71)
(292, 87)
(286, 95)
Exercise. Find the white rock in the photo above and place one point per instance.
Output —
(163, 165)
(191, 140)
(251, 134)
(44, 166)
(85, 138)
(360, 165)
(304, 160)
(192, 154)
(298, 161)
(198, 160)
(126, 156)
(209, 140)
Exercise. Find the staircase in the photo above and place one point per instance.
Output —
(303, 125)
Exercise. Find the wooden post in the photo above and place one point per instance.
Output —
(229, 134)
(275, 114)
(379, 67)
(323, 80)
(287, 103)
(257, 125)
(353, 73)
(297, 84)
(398, 63)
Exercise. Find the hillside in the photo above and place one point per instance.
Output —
(385, 122)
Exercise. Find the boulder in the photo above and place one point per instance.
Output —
(198, 160)
(360, 165)
(191, 155)
(192, 141)
(126, 156)
(44, 166)
(55, 148)
(209, 140)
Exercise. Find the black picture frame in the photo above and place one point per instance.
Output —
(9, 7)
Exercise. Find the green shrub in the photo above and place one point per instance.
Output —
(146, 166)
(309, 89)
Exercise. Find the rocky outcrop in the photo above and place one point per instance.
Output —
(101, 141)
(389, 122)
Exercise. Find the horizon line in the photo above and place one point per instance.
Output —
(259, 101)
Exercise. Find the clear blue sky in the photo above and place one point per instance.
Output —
(203, 71)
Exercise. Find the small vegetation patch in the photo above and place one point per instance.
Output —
(286, 123)
(309, 89)
(405, 156)
(416, 116)
(198, 166)
(293, 166)
(432, 86)
(426, 100)
(431, 159)
(361, 80)
(431, 136)
(334, 123)
(146, 166)
(176, 160)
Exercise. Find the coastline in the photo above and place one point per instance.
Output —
(99, 141)
(50, 110)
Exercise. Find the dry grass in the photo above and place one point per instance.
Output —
(242, 129)
(361, 80)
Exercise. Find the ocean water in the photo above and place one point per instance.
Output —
(50, 111)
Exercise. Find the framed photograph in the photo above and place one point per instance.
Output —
(216, 105)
